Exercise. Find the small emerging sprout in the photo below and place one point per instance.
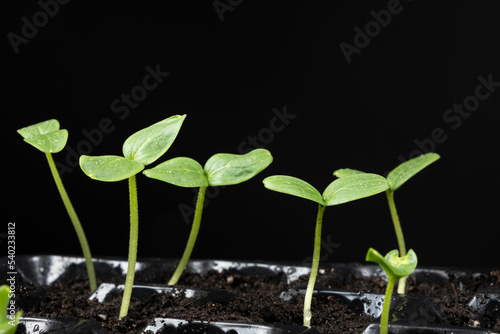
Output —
(140, 149)
(396, 268)
(8, 323)
(48, 138)
(220, 170)
(396, 178)
(340, 191)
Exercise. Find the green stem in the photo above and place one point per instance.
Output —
(76, 222)
(314, 267)
(399, 235)
(132, 250)
(192, 237)
(384, 318)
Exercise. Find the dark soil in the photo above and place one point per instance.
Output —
(452, 297)
(256, 299)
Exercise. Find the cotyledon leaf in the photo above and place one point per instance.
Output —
(353, 187)
(182, 172)
(109, 168)
(45, 136)
(395, 266)
(346, 172)
(147, 145)
(402, 173)
(226, 169)
(293, 186)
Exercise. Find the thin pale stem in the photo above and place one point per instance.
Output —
(314, 267)
(76, 223)
(132, 250)
(384, 318)
(399, 235)
(192, 237)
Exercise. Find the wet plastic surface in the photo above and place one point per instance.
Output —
(59, 325)
(175, 326)
(46, 269)
(410, 314)
(426, 329)
(107, 291)
(486, 304)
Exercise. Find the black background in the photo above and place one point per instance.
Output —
(228, 70)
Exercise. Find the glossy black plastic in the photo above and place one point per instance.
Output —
(409, 314)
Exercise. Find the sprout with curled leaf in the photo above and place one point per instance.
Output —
(220, 170)
(140, 149)
(395, 179)
(342, 190)
(396, 268)
(48, 138)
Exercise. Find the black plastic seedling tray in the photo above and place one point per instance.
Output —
(409, 314)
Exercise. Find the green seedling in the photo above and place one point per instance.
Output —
(396, 178)
(8, 323)
(396, 268)
(220, 170)
(342, 190)
(140, 149)
(48, 138)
